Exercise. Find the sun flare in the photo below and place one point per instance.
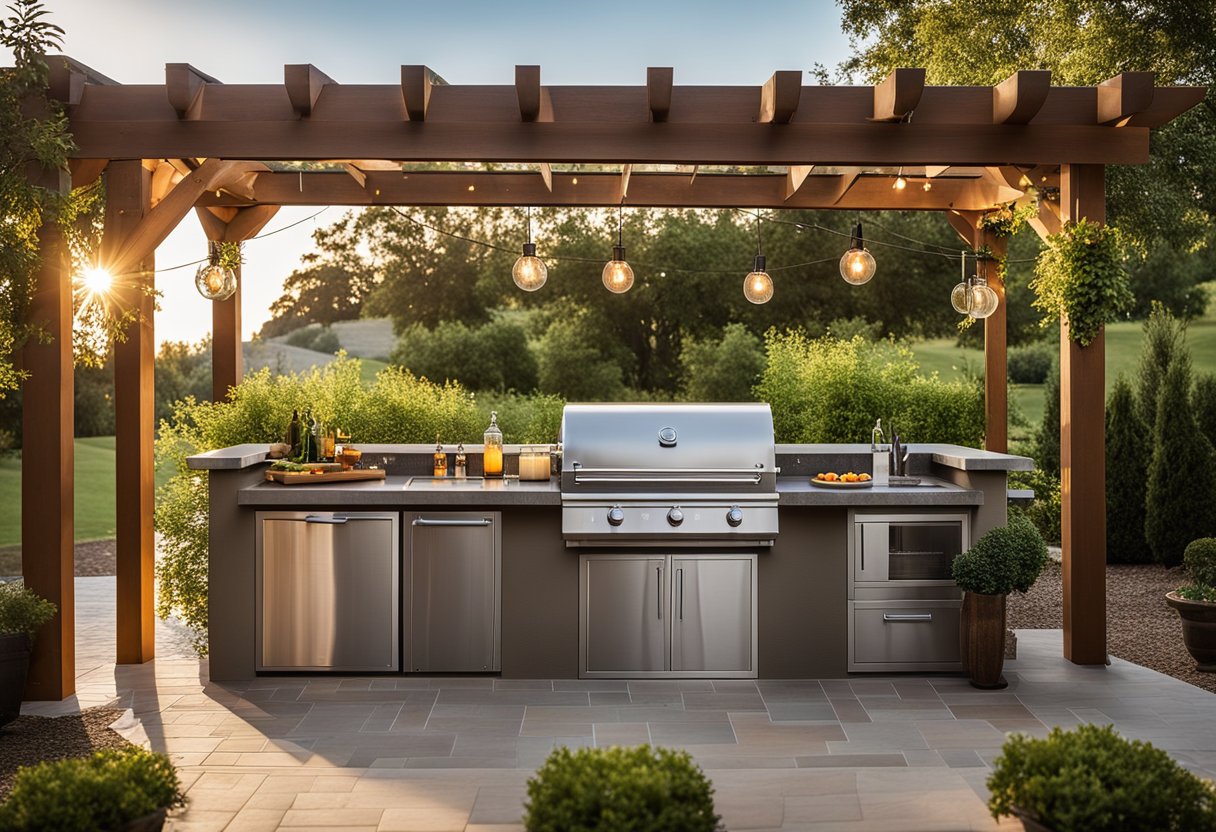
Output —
(96, 281)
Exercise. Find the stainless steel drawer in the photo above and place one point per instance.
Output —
(904, 635)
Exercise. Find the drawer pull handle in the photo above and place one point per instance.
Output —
(425, 521)
(907, 616)
(329, 521)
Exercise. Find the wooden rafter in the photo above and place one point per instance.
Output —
(898, 94)
(527, 91)
(184, 87)
(304, 84)
(658, 91)
(417, 82)
(779, 97)
(1124, 96)
(1018, 98)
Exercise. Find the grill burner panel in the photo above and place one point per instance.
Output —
(668, 475)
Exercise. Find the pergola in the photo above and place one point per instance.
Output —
(195, 143)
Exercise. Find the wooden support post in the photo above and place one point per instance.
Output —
(128, 200)
(227, 362)
(47, 528)
(1083, 452)
(996, 372)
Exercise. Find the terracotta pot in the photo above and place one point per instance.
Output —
(148, 823)
(982, 639)
(14, 667)
(1198, 629)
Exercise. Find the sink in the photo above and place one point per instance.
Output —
(452, 483)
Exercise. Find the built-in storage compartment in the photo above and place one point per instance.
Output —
(903, 603)
(452, 610)
(327, 591)
(675, 616)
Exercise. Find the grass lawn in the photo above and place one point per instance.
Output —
(94, 492)
(368, 367)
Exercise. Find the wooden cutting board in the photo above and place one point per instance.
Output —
(308, 478)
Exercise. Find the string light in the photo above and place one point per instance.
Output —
(618, 274)
(900, 183)
(529, 271)
(213, 280)
(857, 265)
(758, 285)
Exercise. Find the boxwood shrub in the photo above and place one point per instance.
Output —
(104, 791)
(1200, 560)
(1006, 559)
(1091, 778)
(641, 789)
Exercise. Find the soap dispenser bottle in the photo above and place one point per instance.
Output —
(881, 471)
(492, 456)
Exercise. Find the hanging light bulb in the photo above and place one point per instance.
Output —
(928, 186)
(213, 280)
(900, 183)
(529, 271)
(857, 265)
(961, 297)
(758, 286)
(617, 274)
(984, 300)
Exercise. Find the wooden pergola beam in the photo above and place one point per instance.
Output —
(795, 177)
(417, 82)
(527, 91)
(1125, 95)
(304, 84)
(666, 190)
(658, 91)
(184, 87)
(546, 175)
(779, 97)
(1018, 98)
(898, 94)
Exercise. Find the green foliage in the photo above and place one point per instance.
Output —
(827, 390)
(104, 791)
(1047, 437)
(722, 370)
(1200, 560)
(573, 364)
(641, 789)
(1006, 221)
(1164, 345)
(1173, 278)
(1182, 477)
(317, 338)
(1127, 460)
(1031, 363)
(526, 420)
(1080, 277)
(1006, 559)
(1091, 778)
(494, 356)
(22, 610)
(1203, 403)
(1045, 510)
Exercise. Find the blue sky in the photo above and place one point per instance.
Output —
(465, 41)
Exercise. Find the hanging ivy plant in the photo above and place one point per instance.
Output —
(1006, 221)
(229, 255)
(1080, 276)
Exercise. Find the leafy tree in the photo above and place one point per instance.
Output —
(1173, 279)
(183, 371)
(495, 356)
(1127, 460)
(723, 370)
(574, 366)
(1182, 475)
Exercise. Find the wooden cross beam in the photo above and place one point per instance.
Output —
(184, 85)
(1123, 96)
(779, 97)
(898, 94)
(304, 83)
(1018, 98)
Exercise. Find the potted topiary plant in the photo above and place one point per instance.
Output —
(22, 612)
(127, 789)
(1006, 559)
(1092, 778)
(1196, 602)
(641, 789)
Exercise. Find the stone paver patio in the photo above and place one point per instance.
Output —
(402, 753)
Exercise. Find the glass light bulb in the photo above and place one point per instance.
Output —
(985, 301)
(900, 183)
(758, 287)
(857, 266)
(618, 275)
(529, 271)
(214, 282)
(928, 186)
(961, 298)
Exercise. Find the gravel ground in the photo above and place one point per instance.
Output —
(1140, 627)
(32, 739)
(93, 558)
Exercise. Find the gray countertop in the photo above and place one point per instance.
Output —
(395, 491)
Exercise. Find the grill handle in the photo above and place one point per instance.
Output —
(674, 475)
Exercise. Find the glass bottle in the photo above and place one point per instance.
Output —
(441, 459)
(492, 457)
(293, 435)
(308, 450)
(329, 441)
(462, 462)
(315, 440)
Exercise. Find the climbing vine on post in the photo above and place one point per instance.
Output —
(1080, 276)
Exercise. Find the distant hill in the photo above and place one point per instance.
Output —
(281, 358)
(365, 338)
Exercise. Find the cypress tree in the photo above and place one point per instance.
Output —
(1163, 345)
(1127, 462)
(1203, 403)
(1047, 437)
(1182, 480)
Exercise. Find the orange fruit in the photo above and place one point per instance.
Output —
(864, 477)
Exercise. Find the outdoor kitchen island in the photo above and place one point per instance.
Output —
(846, 581)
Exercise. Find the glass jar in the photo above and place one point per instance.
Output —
(492, 456)
(534, 463)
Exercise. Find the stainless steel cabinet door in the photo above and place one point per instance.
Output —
(623, 615)
(713, 614)
(327, 591)
(454, 566)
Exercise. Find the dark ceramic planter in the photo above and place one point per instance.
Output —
(1030, 824)
(14, 667)
(1198, 629)
(982, 640)
(148, 823)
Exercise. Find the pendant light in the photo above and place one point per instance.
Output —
(857, 265)
(618, 275)
(984, 300)
(961, 297)
(213, 280)
(900, 183)
(529, 271)
(758, 286)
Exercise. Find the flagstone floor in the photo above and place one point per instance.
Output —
(413, 754)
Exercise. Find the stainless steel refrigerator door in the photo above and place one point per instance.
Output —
(713, 615)
(623, 616)
(455, 566)
(327, 591)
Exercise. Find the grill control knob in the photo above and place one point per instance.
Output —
(675, 517)
(616, 516)
(734, 517)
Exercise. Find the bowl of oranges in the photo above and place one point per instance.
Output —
(847, 480)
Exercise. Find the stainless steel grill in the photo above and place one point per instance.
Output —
(668, 475)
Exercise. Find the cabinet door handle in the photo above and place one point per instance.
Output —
(907, 616)
(423, 521)
(329, 521)
(680, 590)
(658, 590)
